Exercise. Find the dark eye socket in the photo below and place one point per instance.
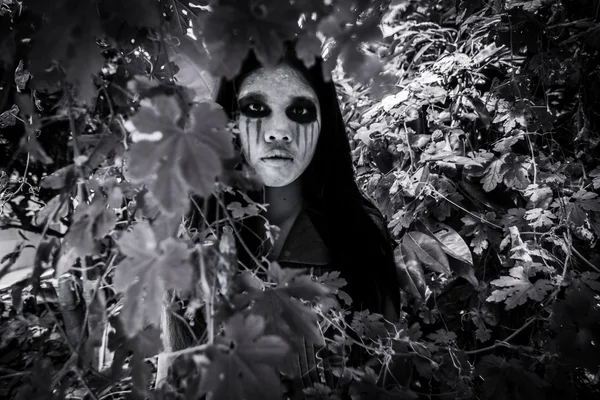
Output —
(253, 110)
(298, 110)
(303, 112)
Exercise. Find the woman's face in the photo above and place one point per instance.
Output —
(280, 123)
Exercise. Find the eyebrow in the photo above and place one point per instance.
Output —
(262, 97)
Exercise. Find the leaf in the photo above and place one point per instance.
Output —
(147, 271)
(234, 26)
(517, 289)
(307, 48)
(428, 251)
(539, 218)
(515, 171)
(90, 223)
(596, 175)
(68, 37)
(442, 336)
(410, 272)
(186, 159)
(539, 197)
(480, 231)
(242, 360)
(493, 174)
(504, 144)
(280, 305)
(333, 281)
(9, 117)
(587, 201)
(452, 243)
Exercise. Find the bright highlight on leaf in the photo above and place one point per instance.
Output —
(177, 160)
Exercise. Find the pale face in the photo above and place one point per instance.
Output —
(279, 122)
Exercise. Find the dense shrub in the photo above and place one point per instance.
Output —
(474, 128)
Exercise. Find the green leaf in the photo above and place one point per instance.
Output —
(186, 159)
(428, 251)
(517, 289)
(147, 271)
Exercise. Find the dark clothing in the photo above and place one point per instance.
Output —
(305, 248)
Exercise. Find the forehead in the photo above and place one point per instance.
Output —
(278, 83)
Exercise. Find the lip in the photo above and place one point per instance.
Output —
(278, 155)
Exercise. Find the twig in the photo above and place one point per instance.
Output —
(584, 260)
(500, 343)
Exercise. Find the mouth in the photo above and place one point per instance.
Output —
(278, 156)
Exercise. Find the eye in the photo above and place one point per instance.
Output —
(255, 107)
(253, 110)
(300, 111)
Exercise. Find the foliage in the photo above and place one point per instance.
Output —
(473, 127)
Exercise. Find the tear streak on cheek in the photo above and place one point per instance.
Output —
(247, 123)
(258, 130)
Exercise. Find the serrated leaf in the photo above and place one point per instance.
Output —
(242, 366)
(515, 171)
(481, 232)
(539, 218)
(428, 251)
(147, 271)
(493, 174)
(517, 289)
(186, 159)
(539, 197)
(442, 336)
(90, 223)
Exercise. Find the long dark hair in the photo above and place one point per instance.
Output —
(354, 230)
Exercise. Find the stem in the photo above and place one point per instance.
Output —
(584, 260)
(500, 343)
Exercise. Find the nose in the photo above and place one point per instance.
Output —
(279, 130)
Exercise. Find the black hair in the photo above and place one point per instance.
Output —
(354, 230)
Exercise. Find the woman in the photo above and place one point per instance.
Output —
(292, 134)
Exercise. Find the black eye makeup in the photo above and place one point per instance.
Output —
(302, 110)
(252, 106)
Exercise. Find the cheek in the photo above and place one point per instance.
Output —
(250, 131)
(307, 136)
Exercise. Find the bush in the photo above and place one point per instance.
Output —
(474, 129)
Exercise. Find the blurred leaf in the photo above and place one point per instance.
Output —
(147, 271)
(242, 362)
(186, 159)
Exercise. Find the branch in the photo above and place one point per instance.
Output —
(504, 343)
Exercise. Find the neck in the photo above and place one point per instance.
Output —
(284, 202)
